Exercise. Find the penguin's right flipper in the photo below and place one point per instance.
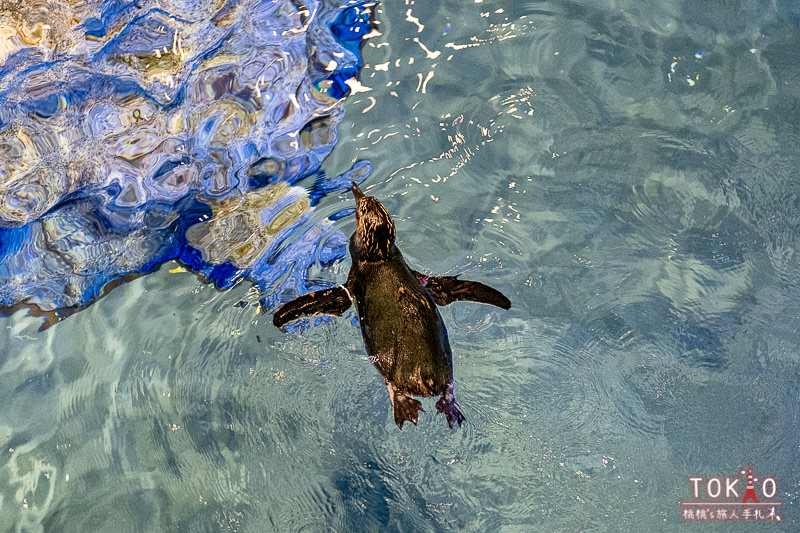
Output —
(448, 289)
(334, 301)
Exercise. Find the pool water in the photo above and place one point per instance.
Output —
(625, 172)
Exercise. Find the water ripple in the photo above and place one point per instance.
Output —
(137, 142)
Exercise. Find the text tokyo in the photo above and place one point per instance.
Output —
(746, 497)
(728, 487)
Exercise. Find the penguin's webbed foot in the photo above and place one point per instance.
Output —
(447, 405)
(404, 407)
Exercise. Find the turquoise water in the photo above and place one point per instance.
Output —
(624, 171)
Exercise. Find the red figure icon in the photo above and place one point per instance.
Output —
(750, 492)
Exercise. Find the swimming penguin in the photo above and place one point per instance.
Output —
(403, 331)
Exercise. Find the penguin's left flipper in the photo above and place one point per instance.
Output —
(448, 289)
(334, 301)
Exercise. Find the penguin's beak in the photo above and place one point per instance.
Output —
(357, 192)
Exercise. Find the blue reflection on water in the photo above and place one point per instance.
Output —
(140, 136)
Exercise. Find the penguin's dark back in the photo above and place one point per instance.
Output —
(402, 328)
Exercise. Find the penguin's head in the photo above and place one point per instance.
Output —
(375, 232)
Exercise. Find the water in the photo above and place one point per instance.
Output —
(624, 172)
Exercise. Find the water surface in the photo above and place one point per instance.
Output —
(624, 171)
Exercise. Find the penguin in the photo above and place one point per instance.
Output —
(403, 332)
